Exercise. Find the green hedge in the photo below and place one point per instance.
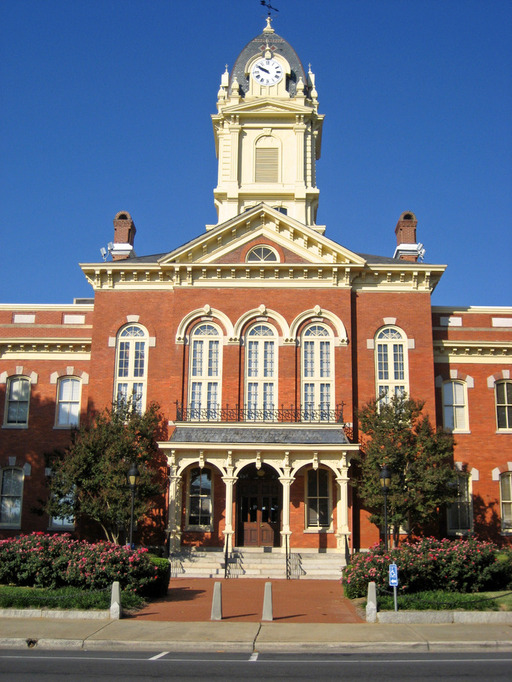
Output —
(63, 598)
(437, 600)
(448, 565)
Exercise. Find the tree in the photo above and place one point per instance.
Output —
(88, 479)
(420, 460)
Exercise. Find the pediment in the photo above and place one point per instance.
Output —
(228, 242)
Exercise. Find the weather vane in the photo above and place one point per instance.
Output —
(268, 6)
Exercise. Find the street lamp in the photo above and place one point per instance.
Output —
(385, 480)
(133, 479)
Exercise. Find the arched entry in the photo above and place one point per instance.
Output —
(259, 495)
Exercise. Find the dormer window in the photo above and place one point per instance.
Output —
(262, 254)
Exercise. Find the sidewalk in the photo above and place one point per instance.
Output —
(309, 616)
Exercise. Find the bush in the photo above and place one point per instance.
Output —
(438, 600)
(161, 586)
(450, 565)
(63, 598)
(40, 560)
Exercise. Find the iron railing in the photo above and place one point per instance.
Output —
(246, 413)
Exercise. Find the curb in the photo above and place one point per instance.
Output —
(55, 613)
(443, 617)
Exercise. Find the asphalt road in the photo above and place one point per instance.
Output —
(84, 666)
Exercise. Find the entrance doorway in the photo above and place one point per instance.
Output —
(258, 507)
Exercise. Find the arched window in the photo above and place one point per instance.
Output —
(205, 372)
(262, 254)
(68, 402)
(11, 497)
(504, 404)
(455, 410)
(199, 508)
(317, 373)
(318, 499)
(18, 397)
(131, 367)
(261, 372)
(391, 363)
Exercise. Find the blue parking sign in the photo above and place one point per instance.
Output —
(393, 575)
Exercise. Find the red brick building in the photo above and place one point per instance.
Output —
(259, 338)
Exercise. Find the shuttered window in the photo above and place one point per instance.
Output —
(267, 160)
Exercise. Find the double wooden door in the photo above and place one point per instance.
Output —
(259, 513)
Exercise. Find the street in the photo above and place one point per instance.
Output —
(27, 665)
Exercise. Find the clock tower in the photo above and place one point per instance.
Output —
(267, 133)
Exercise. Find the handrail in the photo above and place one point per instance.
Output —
(246, 413)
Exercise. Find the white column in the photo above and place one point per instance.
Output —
(229, 481)
(286, 482)
(174, 522)
(343, 530)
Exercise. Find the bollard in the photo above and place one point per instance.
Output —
(267, 603)
(371, 604)
(217, 602)
(116, 610)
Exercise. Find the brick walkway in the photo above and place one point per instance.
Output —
(294, 601)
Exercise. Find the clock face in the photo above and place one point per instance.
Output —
(267, 71)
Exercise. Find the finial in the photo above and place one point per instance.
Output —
(268, 28)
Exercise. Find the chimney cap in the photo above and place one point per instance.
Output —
(407, 215)
(123, 215)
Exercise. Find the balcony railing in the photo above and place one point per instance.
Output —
(248, 414)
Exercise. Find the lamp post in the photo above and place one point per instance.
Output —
(385, 480)
(133, 479)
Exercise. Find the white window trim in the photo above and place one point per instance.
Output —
(259, 262)
(65, 427)
(461, 532)
(498, 429)
(465, 406)
(21, 425)
(207, 528)
(203, 378)
(131, 380)
(392, 384)
(318, 529)
(260, 379)
(505, 531)
(317, 380)
(2, 471)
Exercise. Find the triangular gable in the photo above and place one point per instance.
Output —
(262, 221)
(262, 105)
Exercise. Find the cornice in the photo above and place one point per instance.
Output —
(45, 348)
(66, 307)
(482, 352)
(473, 309)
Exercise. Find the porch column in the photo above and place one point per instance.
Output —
(229, 481)
(286, 482)
(174, 522)
(343, 530)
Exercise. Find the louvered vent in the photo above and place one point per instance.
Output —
(267, 159)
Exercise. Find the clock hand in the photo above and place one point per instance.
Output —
(263, 69)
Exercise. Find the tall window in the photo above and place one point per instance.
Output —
(68, 401)
(460, 511)
(504, 404)
(318, 506)
(261, 372)
(455, 406)
(391, 363)
(131, 367)
(205, 372)
(506, 501)
(317, 373)
(11, 495)
(266, 160)
(18, 396)
(200, 498)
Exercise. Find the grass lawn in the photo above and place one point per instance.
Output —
(12, 597)
(448, 601)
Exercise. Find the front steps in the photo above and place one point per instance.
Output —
(257, 562)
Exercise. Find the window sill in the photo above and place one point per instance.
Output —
(65, 427)
(15, 426)
(316, 531)
(61, 529)
(10, 526)
(503, 431)
(199, 529)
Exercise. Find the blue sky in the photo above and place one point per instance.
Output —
(107, 103)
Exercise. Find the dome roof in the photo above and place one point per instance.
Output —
(278, 45)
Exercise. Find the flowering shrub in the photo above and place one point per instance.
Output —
(451, 565)
(41, 560)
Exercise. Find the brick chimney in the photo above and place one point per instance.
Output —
(407, 247)
(124, 235)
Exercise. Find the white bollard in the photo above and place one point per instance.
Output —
(217, 602)
(116, 610)
(267, 603)
(371, 604)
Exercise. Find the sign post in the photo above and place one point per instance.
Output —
(393, 581)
